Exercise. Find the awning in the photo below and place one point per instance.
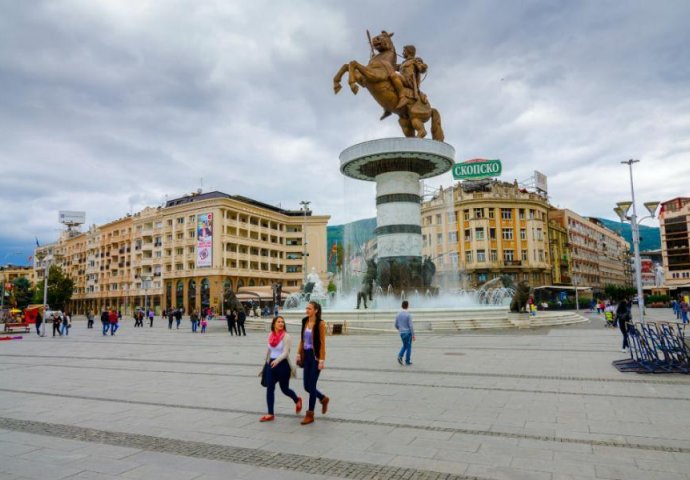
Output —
(245, 294)
(563, 287)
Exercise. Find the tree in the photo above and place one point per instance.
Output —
(22, 292)
(60, 289)
(618, 292)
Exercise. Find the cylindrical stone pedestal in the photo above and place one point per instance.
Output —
(397, 165)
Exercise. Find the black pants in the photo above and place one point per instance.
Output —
(232, 327)
(624, 330)
(311, 377)
(280, 375)
(56, 328)
(38, 328)
(240, 328)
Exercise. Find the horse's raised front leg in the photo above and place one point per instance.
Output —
(352, 77)
(338, 77)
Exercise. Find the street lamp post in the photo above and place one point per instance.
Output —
(305, 207)
(621, 210)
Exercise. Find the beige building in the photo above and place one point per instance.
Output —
(188, 252)
(598, 255)
(674, 223)
(477, 231)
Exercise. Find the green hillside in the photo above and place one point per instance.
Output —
(650, 237)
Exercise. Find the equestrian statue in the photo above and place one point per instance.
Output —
(396, 87)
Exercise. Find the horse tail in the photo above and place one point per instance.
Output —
(436, 129)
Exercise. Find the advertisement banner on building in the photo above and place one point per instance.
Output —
(204, 240)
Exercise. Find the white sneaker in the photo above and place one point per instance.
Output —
(624, 350)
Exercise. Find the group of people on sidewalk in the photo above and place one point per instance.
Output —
(311, 357)
(236, 319)
(61, 323)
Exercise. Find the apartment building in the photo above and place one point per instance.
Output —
(477, 231)
(674, 223)
(187, 252)
(599, 256)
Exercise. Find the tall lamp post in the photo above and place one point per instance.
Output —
(48, 261)
(305, 207)
(621, 210)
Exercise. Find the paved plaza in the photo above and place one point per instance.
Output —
(159, 404)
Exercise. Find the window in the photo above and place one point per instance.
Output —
(453, 237)
(506, 214)
(521, 214)
(478, 213)
(179, 251)
(492, 233)
(493, 255)
(481, 277)
(523, 234)
(540, 234)
(531, 214)
(468, 256)
(507, 234)
(427, 220)
(466, 214)
(438, 219)
(508, 255)
(481, 255)
(541, 255)
(180, 220)
(491, 213)
(523, 255)
(479, 233)
(468, 234)
(439, 238)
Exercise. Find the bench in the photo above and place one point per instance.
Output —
(11, 326)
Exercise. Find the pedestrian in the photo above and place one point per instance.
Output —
(684, 309)
(56, 323)
(230, 317)
(194, 317)
(241, 317)
(178, 317)
(204, 324)
(623, 317)
(112, 319)
(105, 321)
(66, 323)
(171, 317)
(151, 315)
(89, 319)
(39, 322)
(311, 354)
(278, 368)
(403, 324)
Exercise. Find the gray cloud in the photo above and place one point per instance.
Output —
(112, 105)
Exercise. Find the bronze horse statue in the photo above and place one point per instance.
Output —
(378, 78)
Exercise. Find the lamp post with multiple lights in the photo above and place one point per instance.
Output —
(621, 210)
(305, 207)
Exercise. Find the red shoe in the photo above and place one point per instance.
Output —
(324, 404)
(267, 418)
(298, 405)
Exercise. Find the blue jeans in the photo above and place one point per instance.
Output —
(406, 346)
(194, 325)
(684, 316)
(113, 328)
(64, 329)
(280, 375)
(106, 327)
(311, 377)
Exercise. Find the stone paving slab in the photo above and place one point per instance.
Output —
(534, 404)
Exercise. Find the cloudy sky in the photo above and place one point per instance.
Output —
(110, 106)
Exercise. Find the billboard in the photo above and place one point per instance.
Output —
(540, 181)
(204, 240)
(69, 217)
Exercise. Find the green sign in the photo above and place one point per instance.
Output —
(478, 168)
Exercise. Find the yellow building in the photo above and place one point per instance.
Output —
(477, 231)
(599, 255)
(188, 252)
(559, 250)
